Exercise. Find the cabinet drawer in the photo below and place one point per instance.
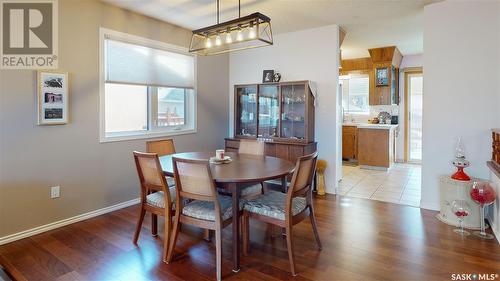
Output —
(349, 129)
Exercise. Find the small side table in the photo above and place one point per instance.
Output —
(449, 190)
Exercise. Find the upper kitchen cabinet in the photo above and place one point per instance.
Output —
(385, 76)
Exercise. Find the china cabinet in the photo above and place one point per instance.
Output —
(281, 114)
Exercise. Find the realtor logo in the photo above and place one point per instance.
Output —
(29, 34)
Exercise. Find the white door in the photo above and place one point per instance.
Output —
(415, 92)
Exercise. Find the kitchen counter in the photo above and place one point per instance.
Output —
(372, 126)
(378, 126)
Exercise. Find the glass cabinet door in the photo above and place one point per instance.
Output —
(246, 111)
(269, 111)
(293, 98)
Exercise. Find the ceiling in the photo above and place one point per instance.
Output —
(368, 23)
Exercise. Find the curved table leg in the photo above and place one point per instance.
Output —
(235, 192)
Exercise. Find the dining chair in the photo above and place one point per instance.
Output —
(250, 147)
(207, 209)
(156, 196)
(161, 147)
(285, 209)
(255, 147)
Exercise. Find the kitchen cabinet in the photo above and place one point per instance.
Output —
(385, 95)
(376, 146)
(390, 58)
(349, 142)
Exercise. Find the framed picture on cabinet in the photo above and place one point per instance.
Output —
(382, 76)
(268, 76)
(52, 97)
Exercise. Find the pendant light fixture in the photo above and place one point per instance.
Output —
(246, 32)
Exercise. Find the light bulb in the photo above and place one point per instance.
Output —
(218, 42)
(229, 39)
(251, 32)
(239, 35)
(208, 43)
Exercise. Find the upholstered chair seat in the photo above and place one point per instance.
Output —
(157, 199)
(205, 210)
(272, 204)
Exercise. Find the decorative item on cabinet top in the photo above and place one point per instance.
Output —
(277, 77)
(268, 76)
(280, 112)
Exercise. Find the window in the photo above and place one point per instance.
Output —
(355, 93)
(147, 88)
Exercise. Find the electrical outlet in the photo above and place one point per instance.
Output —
(55, 191)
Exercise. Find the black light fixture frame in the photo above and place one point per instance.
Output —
(255, 19)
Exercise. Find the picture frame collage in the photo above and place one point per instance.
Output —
(52, 96)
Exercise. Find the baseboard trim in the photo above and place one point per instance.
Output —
(64, 222)
(427, 206)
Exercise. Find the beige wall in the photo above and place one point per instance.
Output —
(91, 175)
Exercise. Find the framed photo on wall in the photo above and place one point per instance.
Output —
(52, 97)
(382, 76)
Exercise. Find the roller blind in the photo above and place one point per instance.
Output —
(359, 86)
(135, 64)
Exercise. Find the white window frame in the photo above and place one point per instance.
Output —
(347, 78)
(190, 126)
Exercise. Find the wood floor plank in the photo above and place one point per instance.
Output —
(362, 240)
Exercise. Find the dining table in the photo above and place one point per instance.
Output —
(242, 170)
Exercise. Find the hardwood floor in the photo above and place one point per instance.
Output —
(362, 240)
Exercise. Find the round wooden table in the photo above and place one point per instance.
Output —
(244, 168)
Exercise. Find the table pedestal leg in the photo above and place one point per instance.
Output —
(235, 191)
(284, 186)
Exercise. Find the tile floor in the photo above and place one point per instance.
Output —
(400, 185)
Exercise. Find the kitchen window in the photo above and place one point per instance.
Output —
(355, 93)
(147, 88)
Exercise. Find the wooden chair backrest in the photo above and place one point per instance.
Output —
(301, 184)
(161, 147)
(193, 179)
(150, 174)
(254, 147)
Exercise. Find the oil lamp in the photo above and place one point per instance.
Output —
(460, 162)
